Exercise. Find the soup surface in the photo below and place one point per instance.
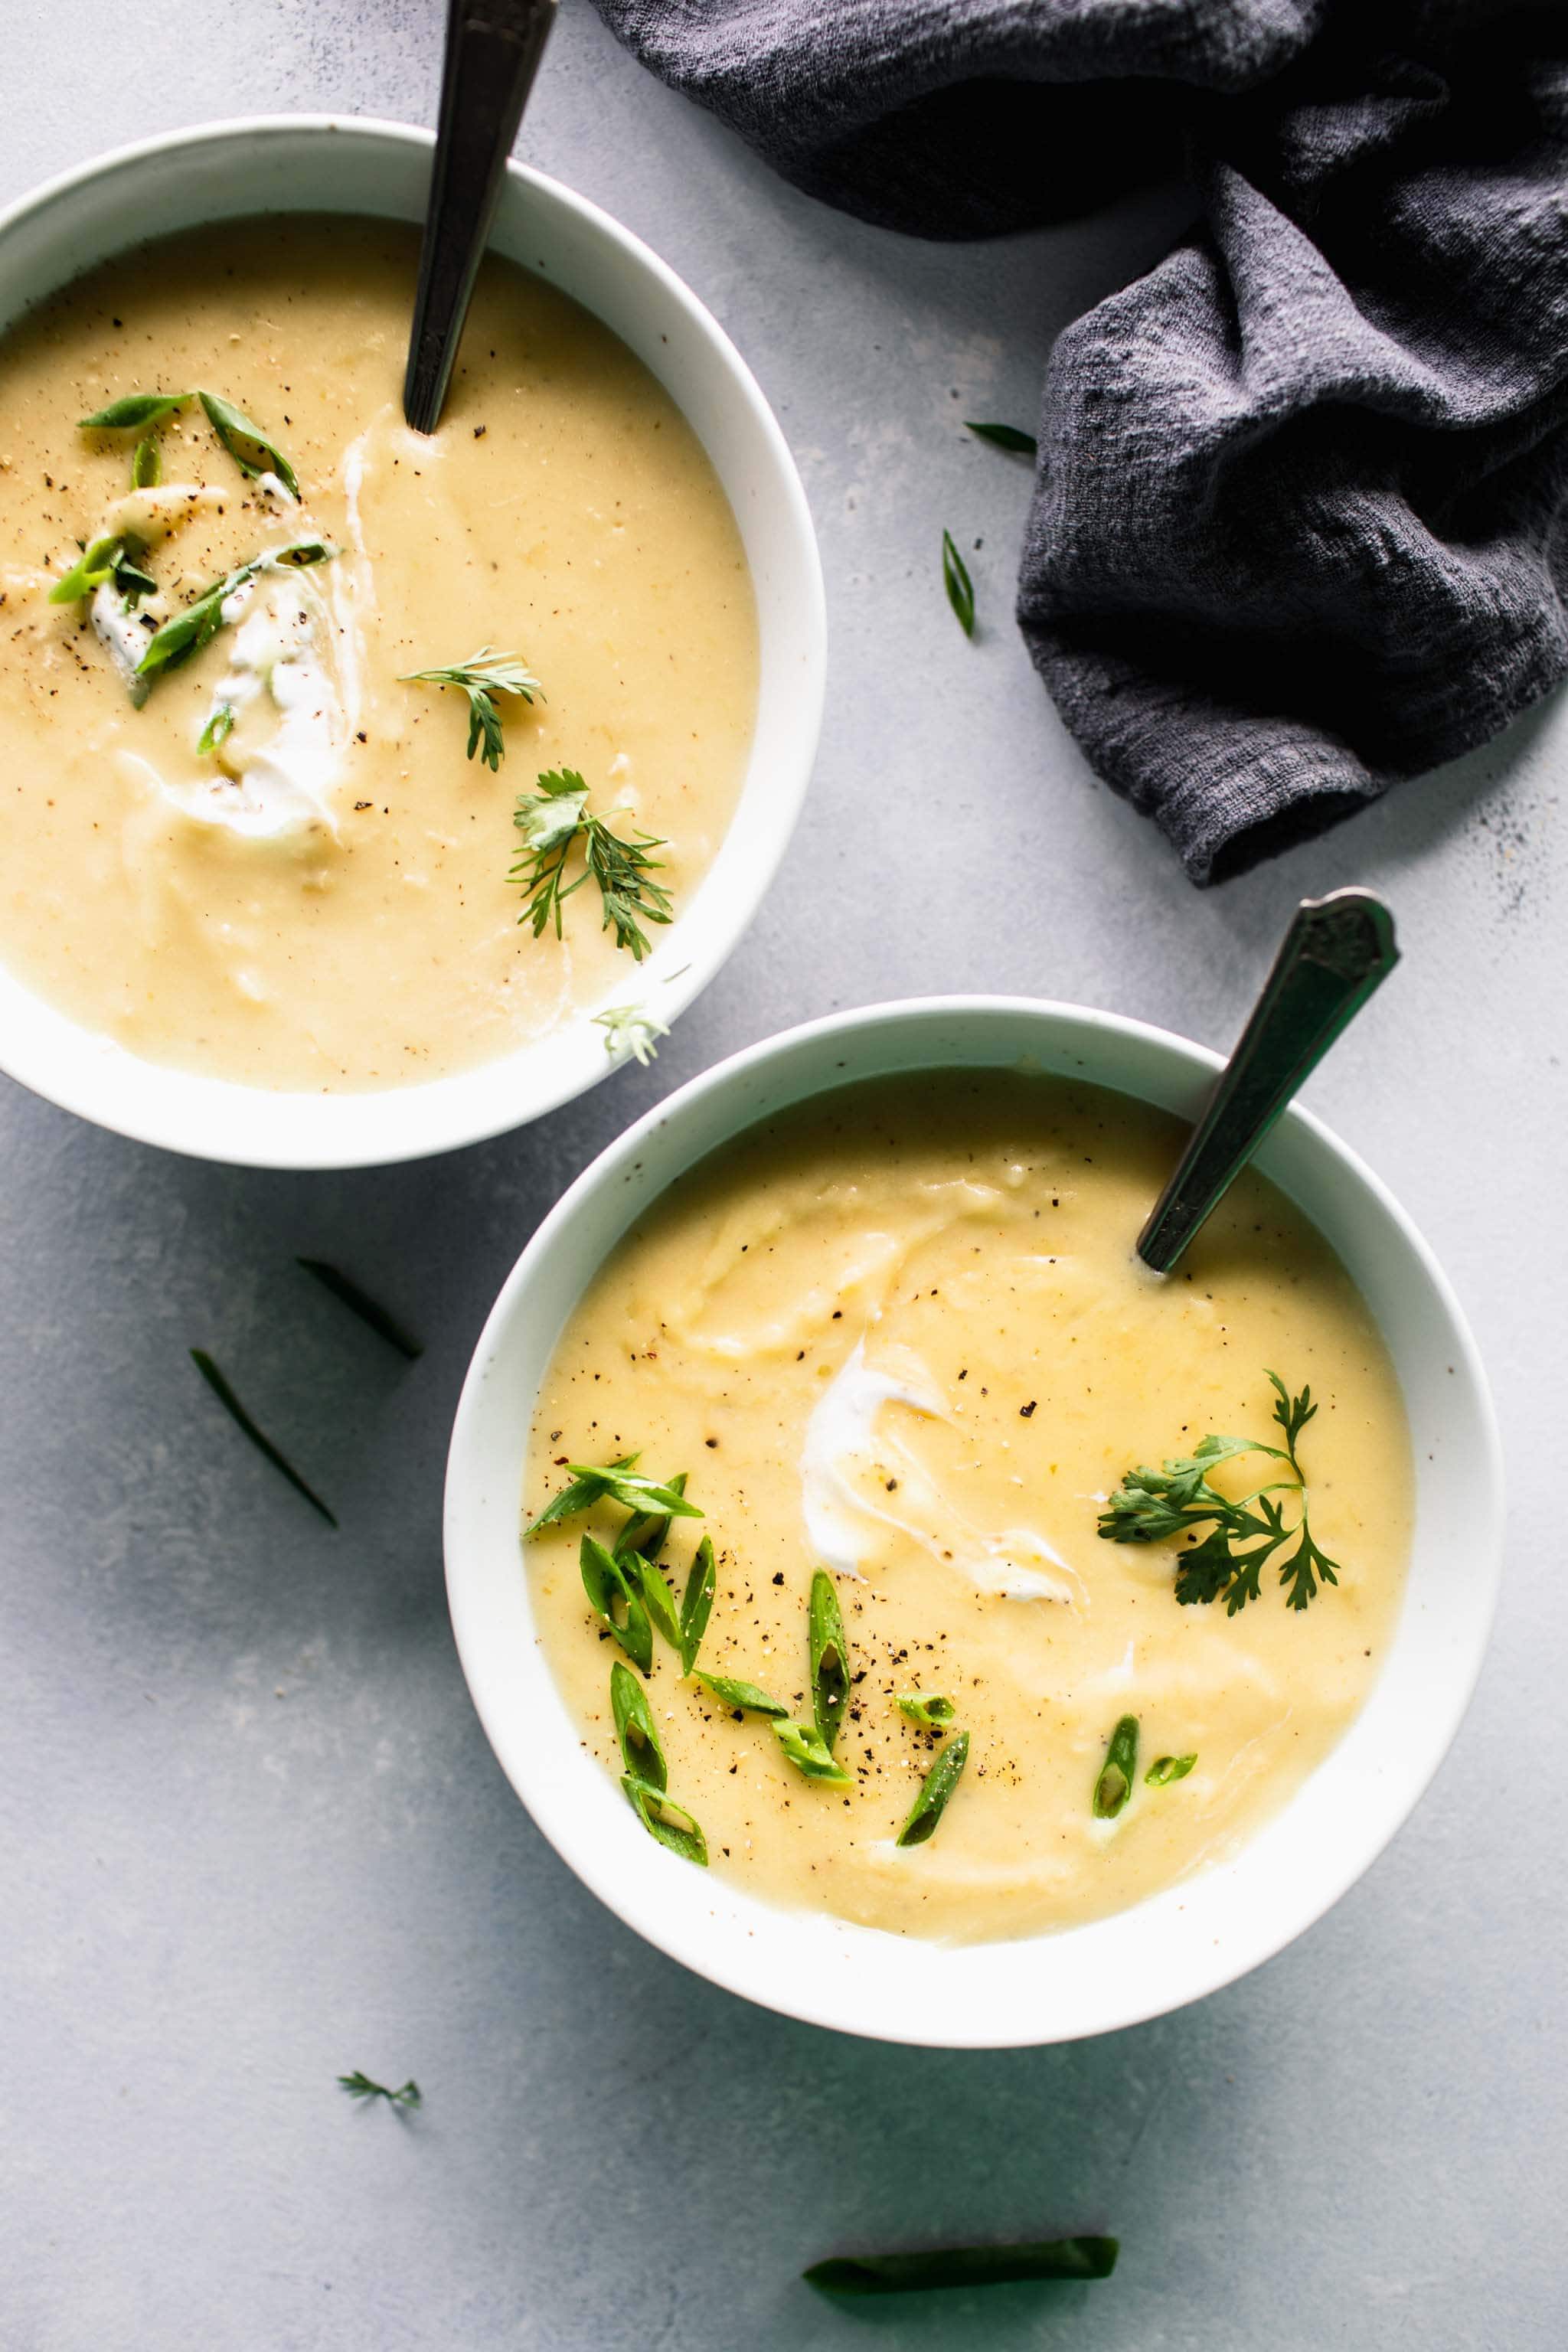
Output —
(319, 898)
(900, 1333)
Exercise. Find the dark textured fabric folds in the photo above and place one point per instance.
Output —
(1298, 526)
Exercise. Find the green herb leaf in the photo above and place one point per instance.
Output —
(616, 1484)
(1114, 1785)
(641, 1750)
(253, 451)
(1053, 2258)
(960, 588)
(1166, 1768)
(359, 1302)
(219, 729)
(146, 465)
(609, 1590)
(1003, 437)
(135, 412)
(809, 1753)
(263, 1444)
(829, 1658)
(630, 1029)
(670, 1823)
(697, 1604)
(1243, 1537)
(197, 623)
(93, 566)
(482, 677)
(935, 1790)
(933, 1713)
(746, 1696)
(551, 822)
(360, 2087)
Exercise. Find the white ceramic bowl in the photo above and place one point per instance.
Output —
(1088, 1980)
(340, 165)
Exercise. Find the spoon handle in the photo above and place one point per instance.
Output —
(493, 48)
(1337, 951)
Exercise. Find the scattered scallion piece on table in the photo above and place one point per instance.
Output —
(617, 1482)
(641, 1750)
(1114, 1785)
(359, 1302)
(931, 1713)
(1003, 437)
(697, 1603)
(195, 624)
(935, 1790)
(1166, 1768)
(809, 1753)
(662, 1817)
(609, 1588)
(262, 1443)
(631, 1029)
(958, 583)
(829, 1658)
(1052, 2258)
(360, 2087)
(1152, 1506)
(746, 1696)
(555, 818)
(482, 677)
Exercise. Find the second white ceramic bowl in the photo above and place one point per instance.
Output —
(340, 165)
(1196, 1936)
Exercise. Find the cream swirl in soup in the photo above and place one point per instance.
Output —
(900, 1335)
(272, 860)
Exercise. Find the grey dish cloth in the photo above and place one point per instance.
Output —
(1298, 526)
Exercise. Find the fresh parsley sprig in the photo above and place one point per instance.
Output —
(1153, 1506)
(631, 1029)
(482, 677)
(360, 2087)
(553, 821)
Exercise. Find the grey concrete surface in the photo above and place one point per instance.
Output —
(250, 1833)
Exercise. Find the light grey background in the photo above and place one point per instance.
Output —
(250, 1833)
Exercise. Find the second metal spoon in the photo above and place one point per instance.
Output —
(1337, 951)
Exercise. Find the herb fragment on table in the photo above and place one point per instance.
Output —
(360, 2087)
(829, 1658)
(746, 1696)
(359, 1302)
(197, 623)
(1051, 2258)
(630, 1029)
(482, 677)
(809, 1753)
(697, 1603)
(1114, 1785)
(146, 465)
(960, 587)
(641, 1750)
(1166, 1768)
(935, 1790)
(614, 1602)
(262, 1443)
(931, 1714)
(1003, 437)
(557, 818)
(616, 1483)
(662, 1817)
(219, 729)
(1152, 1506)
(253, 450)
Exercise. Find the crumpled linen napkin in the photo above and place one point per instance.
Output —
(1300, 515)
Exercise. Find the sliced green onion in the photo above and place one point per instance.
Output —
(253, 451)
(1052, 2258)
(258, 1438)
(95, 564)
(135, 412)
(219, 729)
(829, 1658)
(809, 1753)
(1166, 1768)
(1003, 437)
(641, 1750)
(933, 1713)
(746, 1696)
(697, 1603)
(1114, 1785)
(617, 1484)
(960, 588)
(935, 1790)
(146, 465)
(670, 1823)
(606, 1585)
(648, 1531)
(358, 1302)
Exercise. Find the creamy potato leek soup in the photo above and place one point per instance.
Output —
(1025, 1581)
(332, 756)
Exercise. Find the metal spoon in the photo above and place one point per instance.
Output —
(1337, 951)
(493, 48)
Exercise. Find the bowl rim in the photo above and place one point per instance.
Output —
(422, 1120)
(673, 1931)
